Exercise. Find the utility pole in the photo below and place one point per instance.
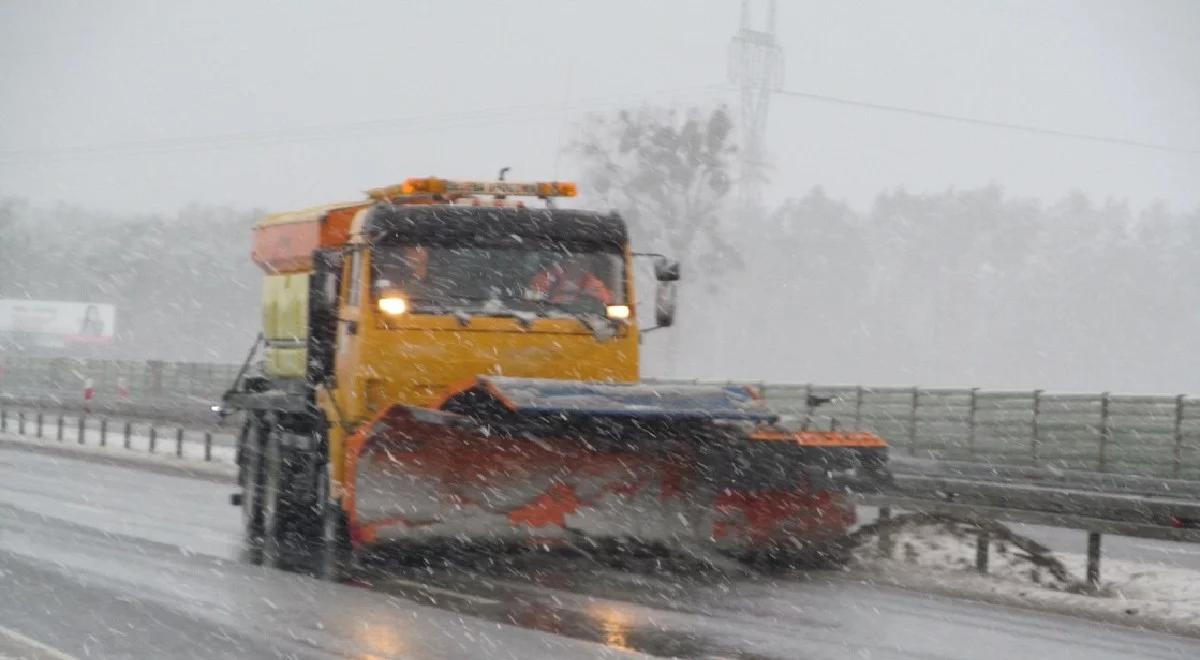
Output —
(756, 67)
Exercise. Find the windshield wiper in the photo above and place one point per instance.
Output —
(494, 307)
(594, 322)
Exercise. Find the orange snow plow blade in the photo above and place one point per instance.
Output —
(512, 459)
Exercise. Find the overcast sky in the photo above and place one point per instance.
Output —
(145, 106)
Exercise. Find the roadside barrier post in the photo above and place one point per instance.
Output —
(972, 406)
(808, 407)
(208, 446)
(1093, 559)
(82, 427)
(1177, 456)
(982, 541)
(153, 439)
(179, 442)
(1105, 433)
(103, 431)
(912, 422)
(59, 435)
(858, 406)
(3, 420)
(128, 433)
(39, 424)
(885, 545)
(21, 422)
(1035, 439)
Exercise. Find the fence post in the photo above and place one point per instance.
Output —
(153, 439)
(208, 445)
(1105, 431)
(982, 542)
(1177, 456)
(128, 432)
(1093, 559)
(912, 422)
(103, 431)
(858, 405)
(1035, 448)
(972, 405)
(179, 442)
(885, 545)
(155, 378)
(808, 407)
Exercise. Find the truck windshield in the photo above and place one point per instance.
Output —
(542, 280)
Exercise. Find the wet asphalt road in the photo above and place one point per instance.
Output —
(98, 560)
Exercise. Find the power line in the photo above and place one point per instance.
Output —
(415, 123)
(929, 114)
(501, 115)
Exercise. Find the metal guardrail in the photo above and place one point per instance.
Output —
(153, 437)
(1151, 508)
(1145, 435)
(1152, 436)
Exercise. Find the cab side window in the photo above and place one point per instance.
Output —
(354, 280)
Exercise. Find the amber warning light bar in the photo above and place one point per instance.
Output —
(448, 188)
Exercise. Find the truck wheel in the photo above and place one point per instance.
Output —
(336, 554)
(252, 493)
(274, 506)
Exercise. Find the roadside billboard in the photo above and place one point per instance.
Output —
(56, 323)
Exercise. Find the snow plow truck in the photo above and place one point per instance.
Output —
(440, 361)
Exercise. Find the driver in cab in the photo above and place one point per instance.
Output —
(569, 281)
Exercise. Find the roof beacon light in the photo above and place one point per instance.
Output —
(436, 187)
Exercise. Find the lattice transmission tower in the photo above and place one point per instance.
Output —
(756, 67)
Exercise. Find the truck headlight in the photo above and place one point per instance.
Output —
(393, 305)
(620, 312)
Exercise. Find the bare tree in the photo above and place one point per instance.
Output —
(668, 172)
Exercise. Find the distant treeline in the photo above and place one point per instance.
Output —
(971, 287)
(965, 287)
(183, 285)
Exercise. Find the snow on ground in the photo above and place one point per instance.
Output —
(941, 559)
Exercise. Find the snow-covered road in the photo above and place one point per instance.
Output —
(102, 560)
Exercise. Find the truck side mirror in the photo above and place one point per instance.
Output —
(666, 270)
(326, 291)
(664, 302)
(325, 280)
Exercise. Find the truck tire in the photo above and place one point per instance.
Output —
(274, 504)
(336, 555)
(292, 510)
(251, 458)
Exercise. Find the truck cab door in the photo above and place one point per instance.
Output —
(348, 370)
(324, 301)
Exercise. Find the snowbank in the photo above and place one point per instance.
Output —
(941, 559)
